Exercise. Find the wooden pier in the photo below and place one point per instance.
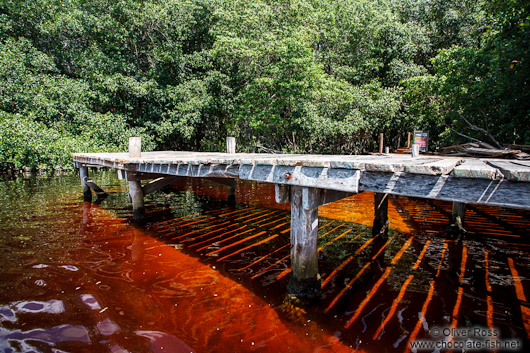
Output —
(309, 181)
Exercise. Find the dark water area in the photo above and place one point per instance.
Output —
(204, 276)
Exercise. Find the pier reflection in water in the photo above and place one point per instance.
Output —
(207, 277)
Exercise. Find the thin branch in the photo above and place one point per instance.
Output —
(468, 137)
(476, 128)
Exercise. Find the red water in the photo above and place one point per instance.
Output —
(203, 276)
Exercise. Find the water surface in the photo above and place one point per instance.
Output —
(204, 276)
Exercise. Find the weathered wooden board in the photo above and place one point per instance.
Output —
(474, 168)
(201, 170)
(346, 180)
(158, 184)
(512, 171)
(390, 164)
(441, 166)
(94, 187)
(495, 182)
(431, 165)
(502, 193)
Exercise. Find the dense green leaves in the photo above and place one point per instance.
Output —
(293, 75)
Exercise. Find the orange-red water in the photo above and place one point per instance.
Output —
(204, 276)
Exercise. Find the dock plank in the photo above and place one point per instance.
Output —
(438, 167)
(476, 169)
(501, 193)
(511, 171)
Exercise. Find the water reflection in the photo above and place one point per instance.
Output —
(208, 276)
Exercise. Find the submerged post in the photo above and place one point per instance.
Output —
(135, 185)
(83, 173)
(381, 214)
(457, 216)
(305, 280)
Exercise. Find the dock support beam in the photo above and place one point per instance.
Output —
(381, 214)
(136, 192)
(83, 173)
(305, 280)
(137, 198)
(457, 217)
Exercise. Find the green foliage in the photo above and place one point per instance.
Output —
(298, 75)
(47, 116)
(481, 91)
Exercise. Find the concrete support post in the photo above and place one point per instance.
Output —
(87, 194)
(305, 280)
(380, 214)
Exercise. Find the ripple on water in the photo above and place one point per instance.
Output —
(9, 339)
(161, 341)
(50, 307)
(90, 301)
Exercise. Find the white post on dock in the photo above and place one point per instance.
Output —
(230, 145)
(135, 185)
(135, 147)
(231, 148)
(415, 150)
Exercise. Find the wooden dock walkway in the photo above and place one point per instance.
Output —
(309, 181)
(495, 182)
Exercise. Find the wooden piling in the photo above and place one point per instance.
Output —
(231, 196)
(83, 173)
(305, 280)
(381, 139)
(137, 199)
(381, 214)
(136, 192)
(458, 216)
